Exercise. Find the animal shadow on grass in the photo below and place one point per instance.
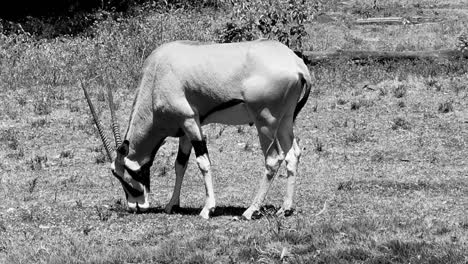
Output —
(219, 211)
(235, 211)
(265, 210)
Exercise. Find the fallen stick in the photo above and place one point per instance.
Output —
(382, 20)
(313, 57)
(395, 20)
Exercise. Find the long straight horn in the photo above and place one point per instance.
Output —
(100, 129)
(115, 125)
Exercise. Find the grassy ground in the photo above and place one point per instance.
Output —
(383, 174)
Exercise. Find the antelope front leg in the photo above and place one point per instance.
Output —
(181, 162)
(193, 131)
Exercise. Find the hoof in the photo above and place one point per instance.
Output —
(172, 209)
(251, 215)
(256, 215)
(286, 213)
(206, 213)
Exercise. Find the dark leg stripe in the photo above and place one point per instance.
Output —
(199, 147)
(142, 175)
(136, 175)
(182, 158)
(130, 189)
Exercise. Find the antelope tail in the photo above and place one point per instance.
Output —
(99, 127)
(307, 86)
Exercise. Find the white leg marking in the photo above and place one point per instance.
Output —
(292, 162)
(138, 204)
(193, 130)
(273, 160)
(204, 165)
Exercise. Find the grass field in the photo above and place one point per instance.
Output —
(383, 175)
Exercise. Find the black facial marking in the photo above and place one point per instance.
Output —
(182, 158)
(134, 192)
(220, 107)
(123, 149)
(199, 147)
(142, 175)
(180, 133)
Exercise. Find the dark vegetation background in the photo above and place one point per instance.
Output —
(52, 18)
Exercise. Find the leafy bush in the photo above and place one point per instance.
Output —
(400, 122)
(54, 18)
(445, 107)
(274, 19)
(10, 136)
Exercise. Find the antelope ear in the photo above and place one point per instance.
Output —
(122, 150)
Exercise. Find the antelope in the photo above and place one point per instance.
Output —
(186, 85)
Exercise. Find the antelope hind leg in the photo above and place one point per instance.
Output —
(273, 160)
(292, 162)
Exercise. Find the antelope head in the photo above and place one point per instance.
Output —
(134, 179)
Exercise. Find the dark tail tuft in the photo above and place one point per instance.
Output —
(304, 98)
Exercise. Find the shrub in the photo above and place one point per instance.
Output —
(400, 122)
(66, 154)
(355, 105)
(38, 162)
(38, 123)
(431, 82)
(445, 107)
(377, 156)
(356, 136)
(318, 146)
(400, 91)
(43, 106)
(341, 101)
(10, 136)
(275, 19)
(21, 101)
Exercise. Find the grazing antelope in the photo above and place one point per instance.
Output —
(186, 85)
